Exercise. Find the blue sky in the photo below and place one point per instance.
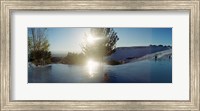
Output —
(63, 40)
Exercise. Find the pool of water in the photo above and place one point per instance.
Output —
(146, 71)
(62, 73)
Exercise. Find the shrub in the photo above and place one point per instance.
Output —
(113, 62)
(74, 58)
(40, 57)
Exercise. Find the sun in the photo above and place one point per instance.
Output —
(90, 39)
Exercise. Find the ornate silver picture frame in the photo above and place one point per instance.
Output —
(8, 6)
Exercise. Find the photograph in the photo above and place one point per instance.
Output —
(99, 55)
(90, 55)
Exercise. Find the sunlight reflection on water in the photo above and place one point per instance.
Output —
(92, 67)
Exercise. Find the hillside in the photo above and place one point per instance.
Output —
(130, 53)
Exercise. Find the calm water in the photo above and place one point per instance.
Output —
(146, 71)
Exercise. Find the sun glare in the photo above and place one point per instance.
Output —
(92, 67)
(90, 39)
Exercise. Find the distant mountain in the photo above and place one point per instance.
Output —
(130, 53)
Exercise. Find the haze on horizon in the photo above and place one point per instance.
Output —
(64, 40)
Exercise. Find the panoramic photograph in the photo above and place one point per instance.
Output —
(99, 55)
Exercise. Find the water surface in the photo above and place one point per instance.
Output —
(145, 71)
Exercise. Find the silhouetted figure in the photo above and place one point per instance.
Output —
(106, 77)
(169, 56)
(156, 57)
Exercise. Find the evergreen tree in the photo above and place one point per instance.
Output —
(99, 42)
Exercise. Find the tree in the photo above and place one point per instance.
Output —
(38, 38)
(38, 46)
(99, 42)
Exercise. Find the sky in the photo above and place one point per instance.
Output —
(63, 40)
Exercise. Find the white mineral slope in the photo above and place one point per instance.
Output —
(32, 66)
(127, 53)
(160, 55)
